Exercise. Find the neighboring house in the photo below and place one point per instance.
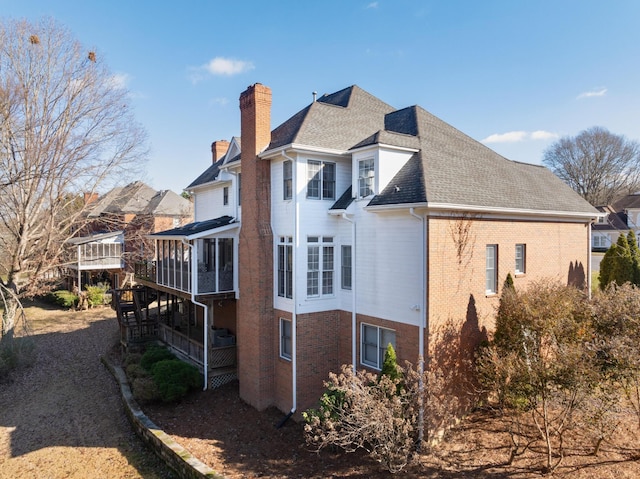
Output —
(115, 235)
(619, 218)
(607, 228)
(350, 226)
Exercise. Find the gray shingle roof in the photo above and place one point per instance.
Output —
(450, 168)
(139, 198)
(196, 227)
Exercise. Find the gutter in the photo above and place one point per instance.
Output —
(194, 285)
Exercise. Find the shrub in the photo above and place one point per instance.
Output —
(96, 295)
(132, 358)
(154, 354)
(145, 390)
(136, 371)
(15, 353)
(63, 298)
(174, 378)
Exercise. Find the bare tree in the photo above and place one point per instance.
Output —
(66, 127)
(597, 164)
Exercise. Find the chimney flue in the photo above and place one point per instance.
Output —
(315, 96)
(219, 149)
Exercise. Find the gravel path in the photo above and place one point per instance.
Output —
(63, 417)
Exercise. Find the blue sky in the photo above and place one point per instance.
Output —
(514, 74)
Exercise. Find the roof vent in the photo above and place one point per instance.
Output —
(315, 96)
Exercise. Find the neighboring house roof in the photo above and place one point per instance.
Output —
(91, 238)
(615, 220)
(138, 198)
(628, 202)
(195, 228)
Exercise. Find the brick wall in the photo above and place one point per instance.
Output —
(256, 354)
(456, 275)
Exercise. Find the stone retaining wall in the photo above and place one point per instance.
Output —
(172, 453)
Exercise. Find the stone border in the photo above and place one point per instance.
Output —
(172, 453)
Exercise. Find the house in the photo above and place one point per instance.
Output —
(618, 218)
(353, 225)
(115, 230)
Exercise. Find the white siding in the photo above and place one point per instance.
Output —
(209, 199)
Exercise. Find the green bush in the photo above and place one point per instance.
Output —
(136, 371)
(63, 298)
(95, 295)
(132, 358)
(154, 354)
(144, 390)
(174, 378)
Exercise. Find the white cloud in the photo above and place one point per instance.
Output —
(592, 93)
(227, 66)
(543, 135)
(518, 136)
(509, 137)
(373, 5)
(219, 66)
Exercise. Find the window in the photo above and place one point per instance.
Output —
(346, 266)
(492, 269)
(285, 339)
(321, 180)
(374, 341)
(319, 265)
(602, 220)
(225, 195)
(239, 188)
(366, 175)
(600, 242)
(287, 180)
(285, 267)
(520, 258)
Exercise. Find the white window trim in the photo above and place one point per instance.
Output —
(381, 350)
(494, 267)
(283, 354)
(286, 242)
(321, 242)
(361, 178)
(522, 270)
(321, 164)
(343, 266)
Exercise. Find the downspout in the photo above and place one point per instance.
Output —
(590, 264)
(194, 286)
(353, 291)
(294, 312)
(423, 321)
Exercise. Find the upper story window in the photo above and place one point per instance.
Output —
(319, 265)
(346, 266)
(285, 267)
(239, 188)
(602, 219)
(521, 256)
(225, 195)
(491, 271)
(321, 180)
(366, 177)
(287, 180)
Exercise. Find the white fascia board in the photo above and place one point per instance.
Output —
(202, 234)
(376, 146)
(298, 148)
(436, 209)
(213, 232)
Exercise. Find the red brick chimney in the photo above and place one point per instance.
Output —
(256, 321)
(219, 149)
